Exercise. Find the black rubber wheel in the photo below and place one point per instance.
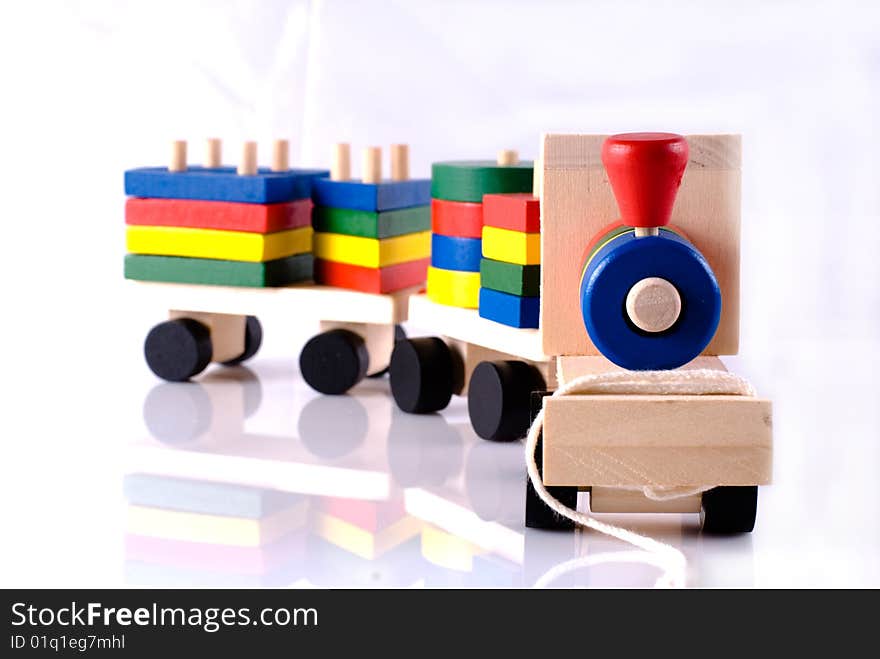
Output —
(421, 373)
(399, 335)
(730, 509)
(176, 350)
(498, 399)
(253, 338)
(538, 514)
(333, 362)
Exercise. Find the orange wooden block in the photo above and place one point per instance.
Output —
(368, 515)
(460, 219)
(516, 211)
(371, 280)
(223, 215)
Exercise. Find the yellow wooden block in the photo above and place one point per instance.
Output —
(361, 542)
(215, 529)
(217, 244)
(512, 246)
(370, 252)
(455, 288)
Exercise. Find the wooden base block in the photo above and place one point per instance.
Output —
(378, 339)
(457, 218)
(658, 441)
(516, 212)
(471, 355)
(470, 180)
(371, 280)
(511, 246)
(227, 216)
(372, 253)
(454, 288)
(512, 278)
(227, 332)
(185, 270)
(222, 184)
(615, 500)
(373, 197)
(302, 302)
(366, 224)
(216, 244)
(451, 253)
(509, 309)
(466, 325)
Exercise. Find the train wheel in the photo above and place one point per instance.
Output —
(538, 514)
(421, 373)
(333, 362)
(729, 509)
(179, 349)
(253, 338)
(498, 399)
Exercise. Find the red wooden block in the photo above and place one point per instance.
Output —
(459, 219)
(371, 280)
(216, 558)
(371, 516)
(196, 214)
(517, 212)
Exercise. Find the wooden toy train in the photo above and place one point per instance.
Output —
(534, 279)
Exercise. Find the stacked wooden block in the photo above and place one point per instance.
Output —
(213, 533)
(457, 218)
(510, 271)
(220, 225)
(371, 235)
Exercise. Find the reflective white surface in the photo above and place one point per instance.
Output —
(390, 499)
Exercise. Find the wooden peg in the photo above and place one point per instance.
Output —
(340, 167)
(248, 164)
(280, 156)
(653, 304)
(213, 153)
(178, 156)
(372, 165)
(507, 157)
(399, 162)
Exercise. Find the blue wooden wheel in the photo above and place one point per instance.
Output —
(626, 260)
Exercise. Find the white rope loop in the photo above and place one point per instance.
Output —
(693, 382)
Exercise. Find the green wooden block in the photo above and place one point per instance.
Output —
(371, 225)
(521, 280)
(470, 180)
(182, 270)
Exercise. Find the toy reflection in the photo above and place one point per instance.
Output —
(356, 494)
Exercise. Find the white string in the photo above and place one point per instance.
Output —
(693, 382)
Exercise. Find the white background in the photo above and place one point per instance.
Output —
(92, 88)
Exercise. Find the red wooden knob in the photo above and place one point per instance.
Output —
(645, 171)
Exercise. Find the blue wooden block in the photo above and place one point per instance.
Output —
(222, 184)
(373, 197)
(450, 253)
(509, 309)
(205, 497)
